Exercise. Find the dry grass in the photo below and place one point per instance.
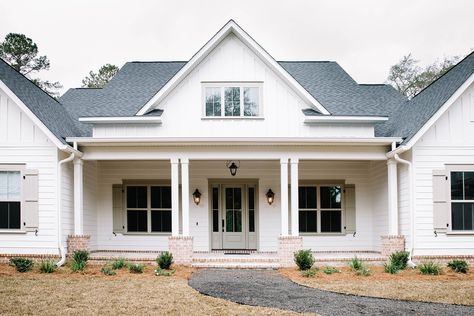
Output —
(450, 287)
(92, 293)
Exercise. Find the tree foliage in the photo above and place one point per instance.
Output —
(409, 78)
(100, 79)
(22, 54)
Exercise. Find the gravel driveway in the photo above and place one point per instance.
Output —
(268, 288)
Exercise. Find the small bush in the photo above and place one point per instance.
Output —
(136, 268)
(108, 270)
(391, 268)
(356, 264)
(330, 270)
(363, 271)
(79, 260)
(304, 259)
(78, 266)
(459, 266)
(118, 264)
(399, 259)
(47, 266)
(162, 272)
(22, 264)
(165, 260)
(310, 272)
(430, 268)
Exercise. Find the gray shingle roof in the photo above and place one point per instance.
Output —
(47, 109)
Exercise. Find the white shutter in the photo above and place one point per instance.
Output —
(30, 198)
(117, 205)
(440, 201)
(350, 209)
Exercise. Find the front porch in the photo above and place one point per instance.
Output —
(202, 234)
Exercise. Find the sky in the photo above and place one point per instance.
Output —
(365, 37)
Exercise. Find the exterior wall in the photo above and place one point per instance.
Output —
(230, 61)
(448, 141)
(23, 142)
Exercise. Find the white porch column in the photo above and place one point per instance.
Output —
(174, 197)
(78, 197)
(185, 194)
(294, 197)
(392, 198)
(284, 195)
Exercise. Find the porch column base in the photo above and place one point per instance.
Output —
(181, 247)
(287, 246)
(77, 242)
(392, 243)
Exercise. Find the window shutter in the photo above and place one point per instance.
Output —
(117, 205)
(440, 201)
(30, 198)
(350, 209)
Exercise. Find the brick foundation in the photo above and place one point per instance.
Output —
(77, 242)
(287, 246)
(181, 247)
(391, 244)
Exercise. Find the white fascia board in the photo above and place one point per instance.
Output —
(345, 119)
(235, 141)
(233, 27)
(34, 118)
(124, 120)
(440, 112)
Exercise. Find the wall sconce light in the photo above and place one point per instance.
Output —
(197, 196)
(270, 196)
(233, 167)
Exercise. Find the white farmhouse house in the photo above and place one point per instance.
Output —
(233, 152)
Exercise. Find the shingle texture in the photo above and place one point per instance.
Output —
(47, 110)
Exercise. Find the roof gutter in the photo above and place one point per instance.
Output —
(394, 154)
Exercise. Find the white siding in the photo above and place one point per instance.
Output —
(448, 141)
(23, 142)
(379, 197)
(233, 61)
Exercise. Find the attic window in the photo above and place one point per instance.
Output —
(232, 100)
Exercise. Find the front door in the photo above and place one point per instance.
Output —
(234, 217)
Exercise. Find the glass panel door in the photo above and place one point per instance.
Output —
(234, 231)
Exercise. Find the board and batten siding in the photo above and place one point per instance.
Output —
(233, 61)
(22, 142)
(449, 141)
(268, 216)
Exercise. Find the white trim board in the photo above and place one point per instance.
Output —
(124, 120)
(345, 119)
(231, 27)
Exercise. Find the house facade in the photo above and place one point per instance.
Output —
(234, 152)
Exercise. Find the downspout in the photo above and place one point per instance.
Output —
(395, 154)
(73, 153)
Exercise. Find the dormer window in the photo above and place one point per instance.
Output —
(231, 100)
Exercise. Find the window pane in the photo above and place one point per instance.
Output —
(137, 197)
(237, 198)
(238, 221)
(10, 215)
(10, 185)
(330, 221)
(469, 185)
(462, 216)
(308, 221)
(331, 197)
(456, 186)
(307, 197)
(215, 209)
(4, 222)
(215, 221)
(229, 221)
(161, 221)
(137, 221)
(213, 101)
(232, 101)
(251, 209)
(251, 221)
(160, 197)
(251, 97)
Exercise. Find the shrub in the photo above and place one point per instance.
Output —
(79, 260)
(330, 270)
(459, 266)
(363, 271)
(356, 264)
(162, 272)
(165, 260)
(136, 268)
(118, 264)
(391, 268)
(430, 268)
(304, 259)
(22, 264)
(108, 270)
(47, 266)
(310, 272)
(399, 259)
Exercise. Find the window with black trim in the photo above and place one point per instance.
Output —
(462, 200)
(10, 199)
